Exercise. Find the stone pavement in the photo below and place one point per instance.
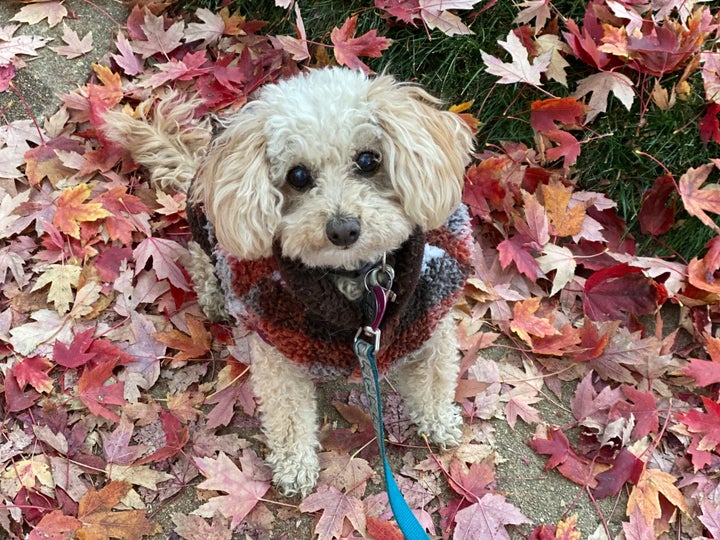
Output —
(46, 76)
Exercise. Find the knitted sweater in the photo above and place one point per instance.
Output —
(300, 311)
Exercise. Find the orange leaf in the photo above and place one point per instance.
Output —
(697, 200)
(192, 346)
(645, 496)
(564, 221)
(526, 324)
(99, 521)
(72, 210)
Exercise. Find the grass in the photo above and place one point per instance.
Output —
(452, 68)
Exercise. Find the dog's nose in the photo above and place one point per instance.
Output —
(342, 231)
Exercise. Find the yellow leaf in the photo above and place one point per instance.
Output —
(564, 221)
(62, 278)
(645, 496)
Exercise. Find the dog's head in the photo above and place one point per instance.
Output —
(337, 167)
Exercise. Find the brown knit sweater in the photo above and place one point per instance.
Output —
(300, 311)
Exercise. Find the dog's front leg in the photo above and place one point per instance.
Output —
(289, 418)
(426, 380)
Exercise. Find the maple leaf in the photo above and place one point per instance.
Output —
(577, 468)
(44, 160)
(473, 480)
(209, 31)
(245, 486)
(710, 517)
(564, 220)
(697, 201)
(164, 254)
(568, 147)
(600, 85)
(625, 467)
(127, 60)
(706, 372)
(62, 278)
(96, 395)
(710, 124)
(520, 69)
(53, 11)
(657, 210)
(187, 69)
(645, 495)
(157, 38)
(560, 260)
(74, 46)
(53, 525)
(100, 520)
(191, 346)
(704, 424)
(525, 323)
(544, 113)
(533, 9)
(617, 292)
(34, 370)
(516, 250)
(348, 48)
(336, 506)
(487, 518)
(73, 210)
(436, 15)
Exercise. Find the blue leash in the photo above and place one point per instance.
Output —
(376, 301)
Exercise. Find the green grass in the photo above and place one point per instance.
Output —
(451, 67)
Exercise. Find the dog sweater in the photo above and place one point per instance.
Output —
(300, 311)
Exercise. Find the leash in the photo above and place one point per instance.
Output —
(378, 284)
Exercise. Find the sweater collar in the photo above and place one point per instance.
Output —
(315, 287)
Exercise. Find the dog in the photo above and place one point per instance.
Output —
(317, 182)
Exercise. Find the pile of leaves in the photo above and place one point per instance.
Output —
(117, 395)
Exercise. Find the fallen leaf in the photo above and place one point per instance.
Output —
(487, 518)
(645, 496)
(520, 69)
(74, 46)
(336, 507)
(348, 47)
(244, 486)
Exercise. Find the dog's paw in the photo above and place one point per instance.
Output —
(295, 473)
(445, 430)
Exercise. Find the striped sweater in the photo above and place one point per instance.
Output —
(300, 311)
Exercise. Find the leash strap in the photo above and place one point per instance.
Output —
(376, 302)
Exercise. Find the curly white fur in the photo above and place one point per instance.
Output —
(321, 120)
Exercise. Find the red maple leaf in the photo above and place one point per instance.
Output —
(704, 424)
(544, 113)
(577, 468)
(626, 467)
(348, 48)
(517, 250)
(618, 292)
(657, 210)
(96, 395)
(710, 124)
(77, 353)
(34, 371)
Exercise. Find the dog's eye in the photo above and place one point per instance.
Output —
(299, 178)
(367, 162)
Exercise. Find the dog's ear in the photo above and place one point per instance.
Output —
(426, 149)
(234, 183)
